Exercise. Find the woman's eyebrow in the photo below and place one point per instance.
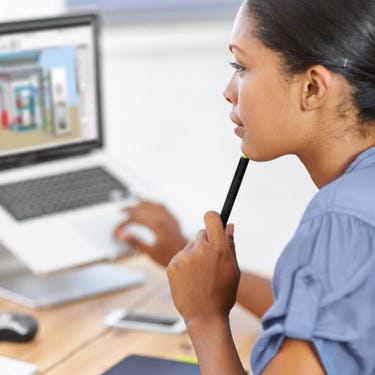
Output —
(235, 47)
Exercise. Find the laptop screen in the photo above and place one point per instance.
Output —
(49, 87)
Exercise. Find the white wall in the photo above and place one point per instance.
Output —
(18, 9)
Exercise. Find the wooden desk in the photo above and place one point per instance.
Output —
(73, 340)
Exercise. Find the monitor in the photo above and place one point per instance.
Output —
(49, 88)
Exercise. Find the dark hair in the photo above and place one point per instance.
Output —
(338, 34)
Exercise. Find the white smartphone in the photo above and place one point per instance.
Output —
(123, 318)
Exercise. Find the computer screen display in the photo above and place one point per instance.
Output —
(48, 96)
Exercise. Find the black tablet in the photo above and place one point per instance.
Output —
(143, 365)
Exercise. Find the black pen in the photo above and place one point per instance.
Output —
(233, 190)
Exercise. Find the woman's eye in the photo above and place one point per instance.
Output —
(237, 67)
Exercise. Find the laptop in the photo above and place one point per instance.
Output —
(61, 194)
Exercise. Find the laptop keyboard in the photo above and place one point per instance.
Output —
(61, 192)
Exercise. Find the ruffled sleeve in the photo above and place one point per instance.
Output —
(324, 286)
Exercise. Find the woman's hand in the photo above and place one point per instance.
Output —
(169, 239)
(204, 276)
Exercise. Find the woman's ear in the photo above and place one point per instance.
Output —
(316, 84)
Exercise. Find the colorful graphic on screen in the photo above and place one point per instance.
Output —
(47, 95)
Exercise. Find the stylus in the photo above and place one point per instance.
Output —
(233, 190)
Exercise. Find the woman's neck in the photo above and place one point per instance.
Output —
(329, 161)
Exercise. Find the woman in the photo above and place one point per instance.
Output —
(303, 84)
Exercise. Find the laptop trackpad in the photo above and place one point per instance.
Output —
(98, 229)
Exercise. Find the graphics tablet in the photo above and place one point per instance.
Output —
(142, 365)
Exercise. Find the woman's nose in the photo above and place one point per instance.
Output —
(226, 96)
(228, 92)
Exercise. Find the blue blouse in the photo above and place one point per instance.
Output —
(324, 281)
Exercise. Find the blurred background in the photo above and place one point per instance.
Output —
(164, 68)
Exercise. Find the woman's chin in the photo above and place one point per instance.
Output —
(256, 154)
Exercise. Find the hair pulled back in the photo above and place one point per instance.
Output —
(338, 34)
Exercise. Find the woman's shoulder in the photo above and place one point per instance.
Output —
(336, 245)
(323, 283)
(352, 194)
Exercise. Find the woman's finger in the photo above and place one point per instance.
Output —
(214, 229)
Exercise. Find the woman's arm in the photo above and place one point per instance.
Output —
(295, 357)
(212, 339)
(203, 279)
(255, 293)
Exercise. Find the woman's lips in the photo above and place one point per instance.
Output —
(239, 129)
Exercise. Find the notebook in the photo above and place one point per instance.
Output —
(12, 366)
(61, 193)
(143, 365)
